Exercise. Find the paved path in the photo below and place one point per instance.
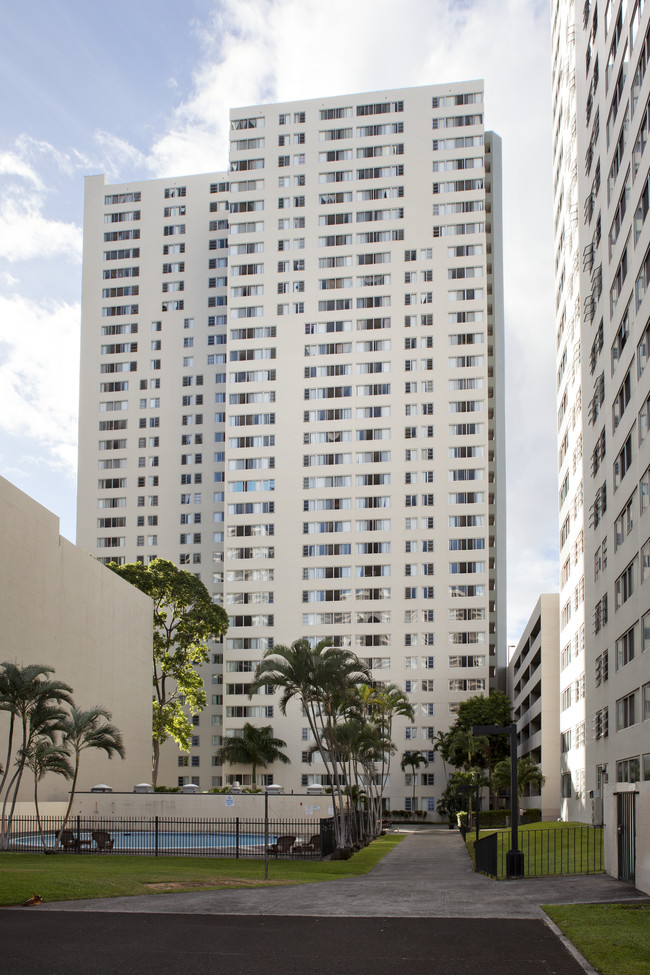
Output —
(427, 875)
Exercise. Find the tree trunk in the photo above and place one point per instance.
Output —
(71, 800)
(7, 820)
(155, 761)
(9, 750)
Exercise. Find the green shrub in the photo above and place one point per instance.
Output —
(532, 816)
(493, 818)
(167, 788)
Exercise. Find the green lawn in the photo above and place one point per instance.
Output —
(550, 849)
(615, 938)
(72, 877)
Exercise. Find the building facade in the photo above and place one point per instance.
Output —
(601, 113)
(63, 610)
(533, 687)
(292, 384)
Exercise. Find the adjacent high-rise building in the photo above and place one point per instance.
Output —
(292, 385)
(533, 671)
(601, 120)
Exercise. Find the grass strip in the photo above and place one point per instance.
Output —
(78, 877)
(577, 849)
(614, 938)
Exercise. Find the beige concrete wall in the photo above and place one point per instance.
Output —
(176, 806)
(60, 607)
(642, 790)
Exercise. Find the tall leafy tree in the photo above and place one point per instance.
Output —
(462, 749)
(256, 747)
(35, 703)
(184, 619)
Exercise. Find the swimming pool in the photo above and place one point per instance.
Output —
(162, 841)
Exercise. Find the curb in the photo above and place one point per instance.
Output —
(571, 948)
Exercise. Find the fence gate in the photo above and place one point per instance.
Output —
(626, 835)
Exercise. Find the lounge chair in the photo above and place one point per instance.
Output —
(313, 846)
(68, 840)
(282, 845)
(103, 840)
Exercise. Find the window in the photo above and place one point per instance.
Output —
(625, 648)
(627, 711)
(626, 583)
(623, 461)
(628, 770)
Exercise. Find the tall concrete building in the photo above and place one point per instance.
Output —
(601, 113)
(292, 385)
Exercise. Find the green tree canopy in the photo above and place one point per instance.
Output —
(464, 750)
(184, 619)
(528, 773)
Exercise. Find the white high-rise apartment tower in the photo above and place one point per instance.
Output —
(292, 385)
(601, 113)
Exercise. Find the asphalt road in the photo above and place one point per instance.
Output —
(86, 943)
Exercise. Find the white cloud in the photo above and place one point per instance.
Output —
(39, 376)
(119, 159)
(11, 164)
(25, 233)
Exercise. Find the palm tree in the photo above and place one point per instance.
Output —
(255, 747)
(414, 761)
(528, 773)
(88, 729)
(34, 704)
(42, 758)
(321, 679)
(391, 702)
(439, 742)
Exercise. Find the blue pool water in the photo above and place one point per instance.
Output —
(136, 840)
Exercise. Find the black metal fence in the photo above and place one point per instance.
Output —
(547, 851)
(486, 854)
(160, 836)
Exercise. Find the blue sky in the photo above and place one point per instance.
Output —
(142, 89)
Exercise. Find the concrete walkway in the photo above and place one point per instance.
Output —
(427, 875)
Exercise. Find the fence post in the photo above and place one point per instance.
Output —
(78, 834)
(237, 838)
(156, 836)
(266, 835)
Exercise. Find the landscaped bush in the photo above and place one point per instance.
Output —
(167, 788)
(532, 816)
(493, 818)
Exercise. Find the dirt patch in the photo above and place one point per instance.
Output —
(222, 882)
